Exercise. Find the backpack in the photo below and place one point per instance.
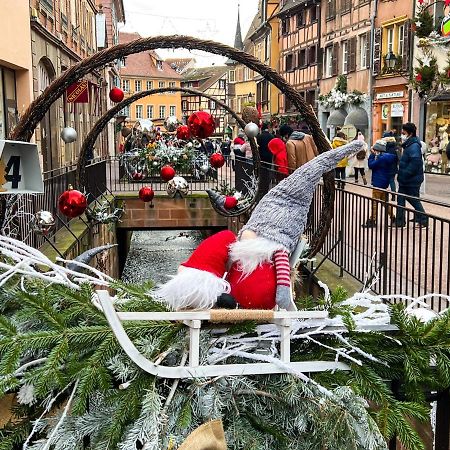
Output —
(361, 155)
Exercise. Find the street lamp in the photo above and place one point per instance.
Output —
(391, 60)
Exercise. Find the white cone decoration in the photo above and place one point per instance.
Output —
(69, 135)
(251, 130)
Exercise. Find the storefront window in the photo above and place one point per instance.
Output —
(10, 100)
(437, 136)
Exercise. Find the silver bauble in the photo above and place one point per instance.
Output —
(251, 130)
(178, 186)
(155, 163)
(171, 123)
(69, 135)
(42, 222)
(204, 168)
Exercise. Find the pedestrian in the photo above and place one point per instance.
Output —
(359, 164)
(247, 150)
(265, 154)
(410, 177)
(278, 149)
(238, 142)
(225, 148)
(380, 163)
(300, 147)
(391, 147)
(339, 140)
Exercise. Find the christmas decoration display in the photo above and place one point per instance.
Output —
(116, 95)
(102, 213)
(43, 222)
(201, 124)
(177, 186)
(167, 173)
(217, 160)
(72, 203)
(426, 75)
(339, 97)
(251, 130)
(183, 132)
(92, 392)
(68, 135)
(250, 114)
(146, 194)
(171, 123)
(258, 263)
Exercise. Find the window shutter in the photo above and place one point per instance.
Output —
(351, 63)
(377, 52)
(406, 58)
(368, 47)
(335, 69)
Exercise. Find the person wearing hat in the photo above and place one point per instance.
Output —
(278, 149)
(381, 163)
(391, 147)
(254, 267)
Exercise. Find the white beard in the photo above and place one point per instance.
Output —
(251, 253)
(192, 289)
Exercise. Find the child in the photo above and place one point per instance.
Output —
(278, 148)
(339, 140)
(359, 163)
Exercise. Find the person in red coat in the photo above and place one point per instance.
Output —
(278, 148)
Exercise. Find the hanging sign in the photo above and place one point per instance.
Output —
(397, 110)
(20, 171)
(78, 92)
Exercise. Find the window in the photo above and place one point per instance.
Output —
(363, 51)
(159, 64)
(171, 84)
(212, 104)
(301, 19)
(184, 105)
(289, 62)
(302, 61)
(285, 26)
(125, 111)
(149, 111)
(232, 76)
(162, 112)
(149, 85)
(223, 83)
(48, 4)
(138, 86)
(172, 110)
(139, 111)
(161, 84)
(401, 40)
(312, 59)
(328, 63)
(123, 61)
(331, 9)
(344, 57)
(126, 85)
(314, 14)
(346, 5)
(390, 39)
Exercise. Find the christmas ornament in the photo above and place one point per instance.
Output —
(183, 132)
(177, 186)
(146, 194)
(419, 77)
(217, 160)
(230, 202)
(72, 203)
(171, 123)
(116, 95)
(201, 124)
(250, 114)
(251, 130)
(138, 176)
(42, 222)
(69, 135)
(167, 173)
(204, 168)
(447, 3)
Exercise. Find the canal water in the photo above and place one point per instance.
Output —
(155, 255)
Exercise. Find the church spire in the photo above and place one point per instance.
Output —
(237, 38)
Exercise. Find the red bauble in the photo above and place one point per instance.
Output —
(167, 173)
(116, 95)
(137, 176)
(201, 124)
(72, 203)
(419, 77)
(230, 202)
(146, 194)
(217, 160)
(183, 132)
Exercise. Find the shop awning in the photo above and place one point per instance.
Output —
(358, 118)
(337, 118)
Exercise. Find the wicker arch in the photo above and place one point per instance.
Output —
(80, 175)
(35, 112)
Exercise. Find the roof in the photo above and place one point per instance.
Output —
(180, 64)
(293, 4)
(207, 76)
(144, 64)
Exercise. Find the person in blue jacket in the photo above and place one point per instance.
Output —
(391, 147)
(381, 163)
(410, 177)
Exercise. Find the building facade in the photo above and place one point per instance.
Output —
(212, 81)
(145, 71)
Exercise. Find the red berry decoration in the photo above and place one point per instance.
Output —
(72, 203)
(201, 124)
(116, 95)
(183, 132)
(217, 160)
(146, 194)
(230, 202)
(419, 77)
(167, 173)
(137, 176)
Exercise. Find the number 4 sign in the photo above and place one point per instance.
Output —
(20, 171)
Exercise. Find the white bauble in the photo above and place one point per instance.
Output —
(251, 130)
(68, 135)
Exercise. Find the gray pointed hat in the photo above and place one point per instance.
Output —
(281, 214)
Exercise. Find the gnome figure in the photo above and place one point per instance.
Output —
(254, 268)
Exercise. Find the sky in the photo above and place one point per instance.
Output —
(206, 19)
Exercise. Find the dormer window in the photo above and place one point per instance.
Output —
(159, 64)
